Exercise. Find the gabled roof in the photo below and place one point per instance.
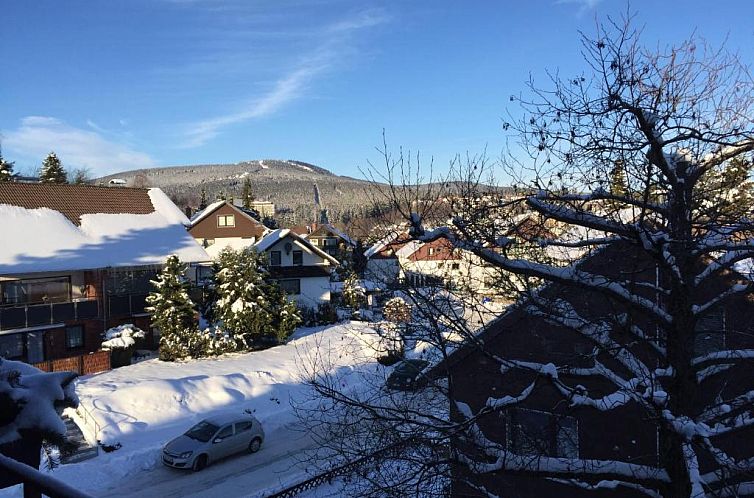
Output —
(327, 227)
(249, 214)
(200, 215)
(387, 246)
(276, 236)
(76, 227)
(73, 201)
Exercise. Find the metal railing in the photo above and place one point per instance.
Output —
(89, 421)
(35, 482)
(125, 304)
(34, 315)
(331, 474)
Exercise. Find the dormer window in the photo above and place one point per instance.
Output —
(226, 220)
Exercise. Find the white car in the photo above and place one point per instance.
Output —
(212, 439)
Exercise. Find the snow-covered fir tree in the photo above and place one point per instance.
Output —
(6, 169)
(242, 308)
(246, 303)
(52, 170)
(173, 312)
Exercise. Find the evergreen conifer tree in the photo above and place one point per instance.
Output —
(173, 313)
(6, 169)
(52, 170)
(248, 196)
(283, 312)
(203, 200)
(618, 185)
(242, 307)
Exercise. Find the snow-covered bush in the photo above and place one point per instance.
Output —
(397, 310)
(327, 314)
(122, 337)
(353, 292)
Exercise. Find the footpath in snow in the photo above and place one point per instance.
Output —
(143, 406)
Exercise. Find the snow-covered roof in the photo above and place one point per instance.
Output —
(409, 248)
(276, 236)
(45, 239)
(333, 230)
(200, 215)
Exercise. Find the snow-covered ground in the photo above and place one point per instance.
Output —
(145, 405)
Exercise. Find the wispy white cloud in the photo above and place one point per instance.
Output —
(582, 5)
(334, 44)
(76, 147)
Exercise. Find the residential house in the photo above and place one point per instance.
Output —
(331, 240)
(545, 424)
(383, 265)
(301, 268)
(223, 224)
(266, 209)
(78, 259)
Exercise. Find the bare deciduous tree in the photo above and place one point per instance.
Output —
(672, 121)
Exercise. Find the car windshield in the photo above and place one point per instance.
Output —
(202, 431)
(411, 366)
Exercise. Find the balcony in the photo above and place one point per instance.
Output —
(126, 305)
(35, 315)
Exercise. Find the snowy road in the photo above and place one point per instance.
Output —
(277, 463)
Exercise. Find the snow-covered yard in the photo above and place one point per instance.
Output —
(144, 405)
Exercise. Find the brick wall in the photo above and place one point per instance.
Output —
(82, 364)
(96, 362)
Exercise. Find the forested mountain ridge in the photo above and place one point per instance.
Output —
(287, 183)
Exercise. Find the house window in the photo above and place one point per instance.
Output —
(315, 242)
(226, 220)
(12, 346)
(274, 258)
(298, 258)
(431, 251)
(291, 286)
(537, 433)
(208, 242)
(38, 290)
(74, 337)
(455, 266)
(710, 332)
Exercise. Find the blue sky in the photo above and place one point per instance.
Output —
(121, 85)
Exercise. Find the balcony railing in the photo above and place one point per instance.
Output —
(126, 304)
(34, 315)
(35, 482)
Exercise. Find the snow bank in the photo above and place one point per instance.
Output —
(143, 406)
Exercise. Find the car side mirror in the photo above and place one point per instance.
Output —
(218, 440)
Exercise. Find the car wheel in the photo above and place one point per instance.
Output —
(254, 445)
(200, 463)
